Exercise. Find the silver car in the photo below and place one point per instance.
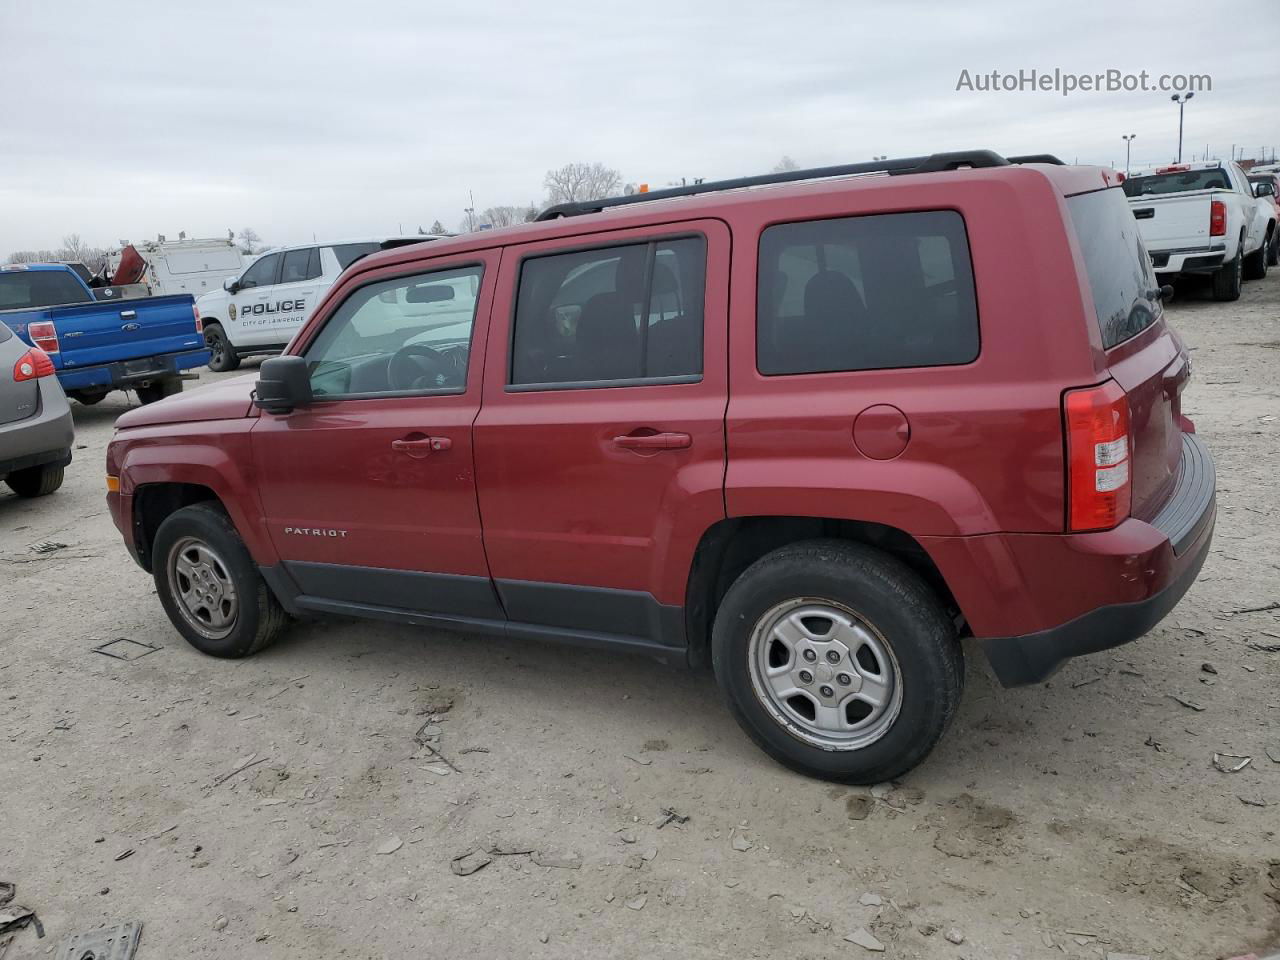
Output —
(35, 420)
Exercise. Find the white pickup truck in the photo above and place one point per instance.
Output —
(259, 311)
(1202, 218)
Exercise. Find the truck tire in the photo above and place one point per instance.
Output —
(838, 660)
(1227, 278)
(36, 481)
(88, 397)
(158, 390)
(222, 356)
(209, 586)
(1273, 248)
(1255, 264)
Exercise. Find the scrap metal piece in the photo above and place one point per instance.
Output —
(122, 648)
(106, 943)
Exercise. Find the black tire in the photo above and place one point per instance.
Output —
(158, 390)
(222, 356)
(1255, 264)
(36, 481)
(258, 617)
(899, 608)
(1273, 248)
(88, 397)
(1227, 279)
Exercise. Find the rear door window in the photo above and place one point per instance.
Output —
(1124, 287)
(297, 264)
(866, 293)
(622, 313)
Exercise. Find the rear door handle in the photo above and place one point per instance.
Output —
(419, 447)
(654, 441)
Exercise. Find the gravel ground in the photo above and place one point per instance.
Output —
(1077, 818)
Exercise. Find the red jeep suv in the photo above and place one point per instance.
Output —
(814, 428)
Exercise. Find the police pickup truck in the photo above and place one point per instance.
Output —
(99, 345)
(259, 311)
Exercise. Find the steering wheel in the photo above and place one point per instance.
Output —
(415, 366)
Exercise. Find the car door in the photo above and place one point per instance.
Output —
(249, 320)
(368, 493)
(600, 442)
(296, 293)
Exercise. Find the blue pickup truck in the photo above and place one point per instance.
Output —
(98, 343)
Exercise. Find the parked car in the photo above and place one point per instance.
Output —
(35, 420)
(144, 345)
(769, 429)
(259, 311)
(1202, 218)
(1266, 187)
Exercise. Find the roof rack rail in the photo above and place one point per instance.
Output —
(932, 163)
(1038, 158)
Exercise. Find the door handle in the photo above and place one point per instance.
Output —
(654, 441)
(420, 447)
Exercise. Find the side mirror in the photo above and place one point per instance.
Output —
(231, 284)
(283, 385)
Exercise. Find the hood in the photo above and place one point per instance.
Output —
(227, 400)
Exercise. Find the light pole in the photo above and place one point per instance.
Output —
(1181, 101)
(1128, 144)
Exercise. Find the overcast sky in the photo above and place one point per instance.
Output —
(339, 119)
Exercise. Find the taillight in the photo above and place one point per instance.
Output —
(32, 365)
(1099, 487)
(1217, 218)
(43, 335)
(199, 322)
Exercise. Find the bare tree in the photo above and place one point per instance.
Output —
(785, 165)
(531, 211)
(438, 229)
(504, 215)
(250, 242)
(581, 181)
(73, 247)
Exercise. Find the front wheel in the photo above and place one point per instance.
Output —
(222, 356)
(36, 481)
(209, 585)
(158, 390)
(838, 661)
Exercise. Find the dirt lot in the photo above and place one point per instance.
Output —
(1078, 818)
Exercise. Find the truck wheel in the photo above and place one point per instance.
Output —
(838, 661)
(158, 390)
(36, 481)
(88, 397)
(222, 356)
(1273, 248)
(209, 586)
(1227, 278)
(1255, 264)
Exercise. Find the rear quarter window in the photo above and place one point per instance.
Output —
(866, 293)
(1125, 292)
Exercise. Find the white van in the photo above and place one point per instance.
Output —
(259, 311)
(187, 266)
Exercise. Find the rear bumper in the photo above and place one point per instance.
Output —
(131, 373)
(1035, 601)
(43, 438)
(1205, 259)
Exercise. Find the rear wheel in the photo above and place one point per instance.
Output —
(88, 397)
(159, 389)
(222, 356)
(838, 661)
(1255, 264)
(209, 585)
(36, 481)
(1273, 247)
(1227, 279)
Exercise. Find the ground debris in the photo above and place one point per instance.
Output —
(1208, 668)
(741, 843)
(864, 938)
(1154, 744)
(858, 807)
(637, 903)
(563, 859)
(122, 648)
(1220, 761)
(250, 761)
(954, 936)
(669, 815)
(389, 846)
(118, 942)
(468, 863)
(1189, 704)
(1273, 605)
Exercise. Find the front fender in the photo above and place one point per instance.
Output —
(185, 453)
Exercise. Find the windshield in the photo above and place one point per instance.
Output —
(25, 289)
(1150, 185)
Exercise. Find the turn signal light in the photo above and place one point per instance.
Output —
(1099, 484)
(32, 365)
(199, 322)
